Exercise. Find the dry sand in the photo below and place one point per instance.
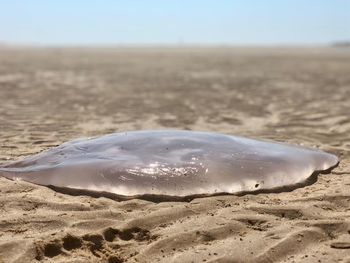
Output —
(302, 96)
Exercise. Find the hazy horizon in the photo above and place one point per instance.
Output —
(174, 23)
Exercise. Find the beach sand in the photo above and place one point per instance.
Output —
(300, 96)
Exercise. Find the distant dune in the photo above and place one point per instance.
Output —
(341, 44)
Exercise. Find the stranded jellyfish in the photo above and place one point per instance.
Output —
(170, 163)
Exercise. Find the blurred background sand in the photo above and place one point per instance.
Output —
(296, 95)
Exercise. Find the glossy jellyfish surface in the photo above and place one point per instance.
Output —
(170, 163)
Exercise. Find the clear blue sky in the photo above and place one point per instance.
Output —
(237, 22)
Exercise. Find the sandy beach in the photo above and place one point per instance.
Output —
(295, 95)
